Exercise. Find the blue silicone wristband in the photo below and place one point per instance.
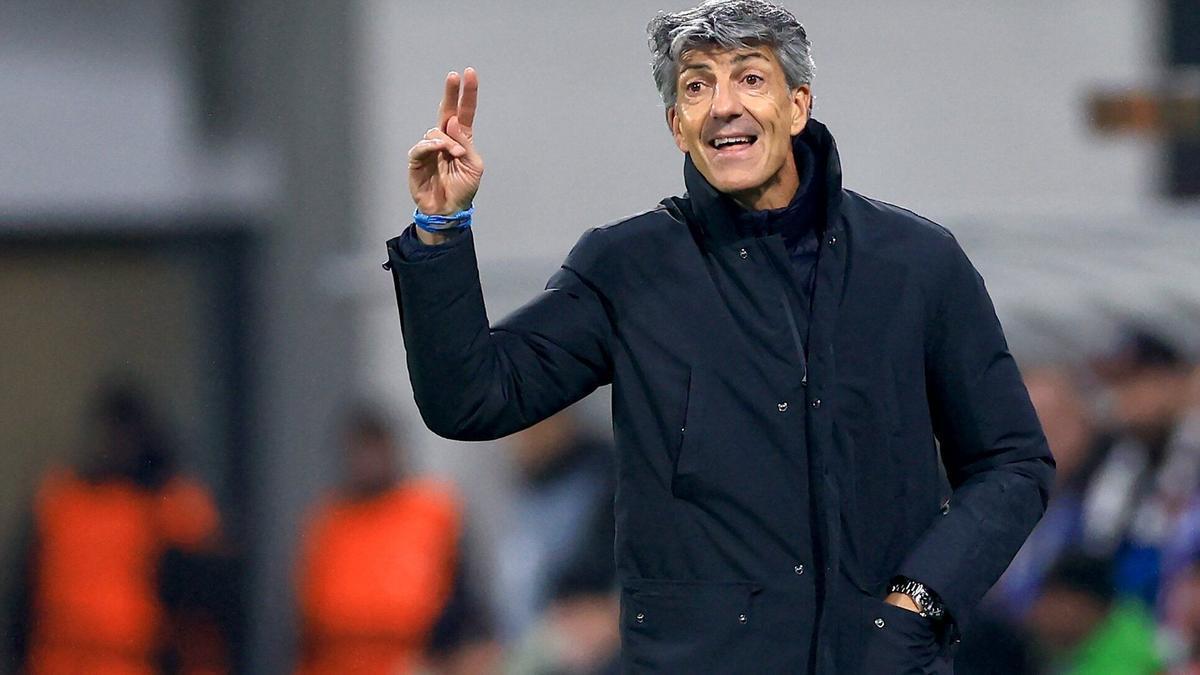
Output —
(438, 223)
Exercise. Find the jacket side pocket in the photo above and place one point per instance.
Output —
(897, 640)
(688, 626)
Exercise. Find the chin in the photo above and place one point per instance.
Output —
(737, 182)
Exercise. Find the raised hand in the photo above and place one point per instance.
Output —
(443, 168)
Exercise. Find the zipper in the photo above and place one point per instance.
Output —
(787, 308)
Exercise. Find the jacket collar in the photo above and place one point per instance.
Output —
(723, 220)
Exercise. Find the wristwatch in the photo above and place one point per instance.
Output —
(929, 605)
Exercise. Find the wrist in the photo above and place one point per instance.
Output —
(926, 601)
(435, 238)
(904, 601)
(438, 222)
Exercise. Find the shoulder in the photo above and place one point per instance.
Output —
(646, 230)
(901, 234)
(58, 483)
(56, 478)
(878, 219)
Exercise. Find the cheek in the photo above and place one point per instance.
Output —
(689, 129)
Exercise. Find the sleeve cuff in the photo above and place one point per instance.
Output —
(409, 248)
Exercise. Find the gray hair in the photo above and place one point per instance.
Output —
(729, 24)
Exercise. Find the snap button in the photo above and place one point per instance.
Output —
(682, 429)
(832, 240)
(946, 507)
(816, 403)
(743, 254)
(799, 569)
(741, 618)
(640, 617)
(782, 406)
(879, 623)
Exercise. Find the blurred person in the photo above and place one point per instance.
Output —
(104, 536)
(785, 356)
(1141, 505)
(378, 563)
(576, 633)
(1084, 628)
(564, 479)
(1071, 432)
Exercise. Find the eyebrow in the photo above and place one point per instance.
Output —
(736, 60)
(749, 55)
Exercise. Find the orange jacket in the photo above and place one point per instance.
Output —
(95, 585)
(374, 577)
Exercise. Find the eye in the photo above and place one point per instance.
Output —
(694, 87)
(753, 80)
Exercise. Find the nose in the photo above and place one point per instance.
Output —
(725, 102)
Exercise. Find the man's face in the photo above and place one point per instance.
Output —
(735, 115)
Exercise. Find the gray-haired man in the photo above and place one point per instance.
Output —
(785, 357)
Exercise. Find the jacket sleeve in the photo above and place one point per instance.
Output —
(992, 446)
(475, 382)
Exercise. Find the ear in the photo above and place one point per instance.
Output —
(801, 107)
(676, 133)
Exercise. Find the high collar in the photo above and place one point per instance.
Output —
(724, 220)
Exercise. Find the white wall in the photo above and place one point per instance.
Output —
(98, 116)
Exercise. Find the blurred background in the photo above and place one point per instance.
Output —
(212, 460)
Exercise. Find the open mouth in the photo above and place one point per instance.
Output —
(732, 143)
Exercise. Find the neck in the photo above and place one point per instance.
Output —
(776, 193)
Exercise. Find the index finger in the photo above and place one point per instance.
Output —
(449, 106)
(470, 94)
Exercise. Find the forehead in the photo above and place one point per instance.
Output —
(716, 55)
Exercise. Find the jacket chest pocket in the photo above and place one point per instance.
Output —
(698, 451)
(729, 436)
(688, 626)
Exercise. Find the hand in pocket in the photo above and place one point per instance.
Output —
(900, 642)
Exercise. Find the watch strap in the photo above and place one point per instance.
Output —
(929, 605)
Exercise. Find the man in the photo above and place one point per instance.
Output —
(108, 538)
(783, 354)
(378, 565)
(563, 479)
(1141, 505)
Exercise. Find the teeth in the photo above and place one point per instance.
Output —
(721, 142)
